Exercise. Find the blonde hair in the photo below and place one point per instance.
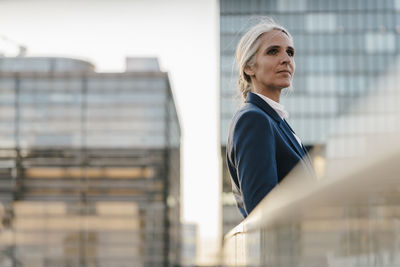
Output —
(248, 47)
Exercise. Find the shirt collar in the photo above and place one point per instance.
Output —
(279, 108)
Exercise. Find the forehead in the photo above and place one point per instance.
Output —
(276, 37)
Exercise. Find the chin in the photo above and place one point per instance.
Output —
(284, 82)
(285, 85)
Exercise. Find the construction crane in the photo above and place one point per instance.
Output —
(21, 48)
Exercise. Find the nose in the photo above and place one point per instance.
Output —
(285, 59)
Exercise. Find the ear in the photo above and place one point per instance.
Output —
(249, 70)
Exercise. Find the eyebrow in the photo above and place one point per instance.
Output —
(277, 46)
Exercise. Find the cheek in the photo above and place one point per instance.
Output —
(268, 68)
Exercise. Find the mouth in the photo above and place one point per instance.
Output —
(285, 71)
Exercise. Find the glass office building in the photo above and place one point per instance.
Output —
(89, 165)
(342, 49)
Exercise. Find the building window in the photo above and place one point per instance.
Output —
(322, 22)
(380, 42)
(321, 84)
(397, 4)
(292, 5)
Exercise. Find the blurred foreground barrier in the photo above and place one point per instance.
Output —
(349, 216)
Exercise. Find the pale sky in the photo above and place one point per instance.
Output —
(182, 34)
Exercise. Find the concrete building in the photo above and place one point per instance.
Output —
(89, 165)
(342, 49)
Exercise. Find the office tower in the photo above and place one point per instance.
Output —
(342, 49)
(89, 164)
(189, 244)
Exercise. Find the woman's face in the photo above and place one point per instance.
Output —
(274, 62)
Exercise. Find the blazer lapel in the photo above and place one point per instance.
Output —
(290, 134)
(304, 154)
(258, 101)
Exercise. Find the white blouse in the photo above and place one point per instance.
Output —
(280, 109)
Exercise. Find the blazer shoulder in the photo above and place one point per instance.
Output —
(250, 112)
(250, 120)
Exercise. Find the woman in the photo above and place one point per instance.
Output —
(262, 148)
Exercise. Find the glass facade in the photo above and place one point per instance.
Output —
(89, 166)
(342, 49)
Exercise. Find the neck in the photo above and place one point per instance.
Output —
(271, 94)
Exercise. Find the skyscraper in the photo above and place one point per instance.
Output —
(89, 164)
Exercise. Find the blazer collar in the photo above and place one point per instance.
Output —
(284, 126)
(259, 102)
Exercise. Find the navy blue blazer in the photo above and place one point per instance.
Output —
(261, 151)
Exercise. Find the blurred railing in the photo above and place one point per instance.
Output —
(348, 216)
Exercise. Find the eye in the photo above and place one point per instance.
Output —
(290, 52)
(272, 51)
